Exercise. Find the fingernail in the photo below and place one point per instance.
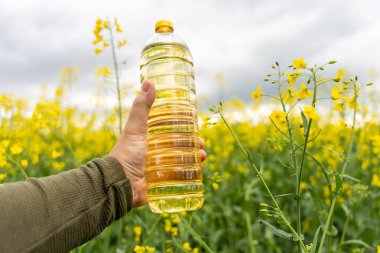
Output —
(145, 86)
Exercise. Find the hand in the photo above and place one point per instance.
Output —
(131, 148)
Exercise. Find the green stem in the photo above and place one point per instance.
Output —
(298, 191)
(151, 231)
(327, 225)
(116, 68)
(324, 170)
(196, 236)
(179, 246)
(344, 231)
(23, 172)
(293, 155)
(280, 213)
(249, 232)
(346, 164)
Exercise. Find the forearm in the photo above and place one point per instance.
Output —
(60, 212)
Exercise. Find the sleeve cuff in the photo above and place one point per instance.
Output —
(115, 180)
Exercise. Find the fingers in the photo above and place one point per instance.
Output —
(203, 154)
(201, 143)
(140, 197)
(137, 121)
(201, 151)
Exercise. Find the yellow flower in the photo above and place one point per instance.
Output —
(375, 180)
(139, 249)
(279, 118)
(195, 250)
(24, 163)
(347, 189)
(175, 219)
(378, 248)
(303, 185)
(118, 28)
(292, 77)
(137, 231)
(338, 106)
(169, 250)
(342, 124)
(60, 92)
(186, 246)
(376, 144)
(16, 149)
(339, 75)
(256, 94)
(5, 143)
(174, 231)
(351, 101)
(98, 22)
(303, 93)
(289, 95)
(55, 154)
(96, 41)
(103, 71)
(74, 69)
(2, 176)
(310, 112)
(105, 44)
(299, 63)
(122, 43)
(3, 161)
(168, 225)
(105, 24)
(150, 249)
(98, 51)
(215, 186)
(335, 93)
(58, 165)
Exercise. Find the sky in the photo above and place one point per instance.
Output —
(239, 39)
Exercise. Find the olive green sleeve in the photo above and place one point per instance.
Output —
(59, 212)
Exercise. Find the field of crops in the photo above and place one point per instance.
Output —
(304, 178)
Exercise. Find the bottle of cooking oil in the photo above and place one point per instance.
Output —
(173, 172)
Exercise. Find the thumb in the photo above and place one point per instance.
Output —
(138, 117)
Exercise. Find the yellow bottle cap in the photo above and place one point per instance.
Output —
(164, 26)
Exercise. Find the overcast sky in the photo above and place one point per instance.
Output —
(240, 39)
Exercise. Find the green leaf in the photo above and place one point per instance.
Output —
(318, 202)
(305, 123)
(345, 209)
(315, 240)
(359, 242)
(369, 84)
(338, 181)
(249, 189)
(281, 233)
(332, 232)
(351, 178)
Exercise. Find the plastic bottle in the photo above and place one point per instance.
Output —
(173, 172)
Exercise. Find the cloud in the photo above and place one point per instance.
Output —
(240, 39)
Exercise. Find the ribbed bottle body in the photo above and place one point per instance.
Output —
(173, 172)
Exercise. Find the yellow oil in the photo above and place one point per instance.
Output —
(173, 173)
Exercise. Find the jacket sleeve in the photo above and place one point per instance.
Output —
(60, 212)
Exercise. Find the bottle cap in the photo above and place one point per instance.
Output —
(164, 26)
